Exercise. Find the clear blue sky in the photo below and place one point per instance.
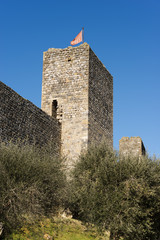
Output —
(124, 34)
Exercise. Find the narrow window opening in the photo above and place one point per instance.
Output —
(54, 108)
(69, 59)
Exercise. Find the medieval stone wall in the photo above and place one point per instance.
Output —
(20, 119)
(100, 101)
(131, 146)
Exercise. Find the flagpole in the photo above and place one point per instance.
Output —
(82, 34)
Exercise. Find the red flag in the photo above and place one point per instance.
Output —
(77, 39)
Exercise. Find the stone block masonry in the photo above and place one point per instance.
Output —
(100, 114)
(20, 119)
(78, 90)
(131, 146)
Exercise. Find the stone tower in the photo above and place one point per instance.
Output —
(77, 89)
(131, 146)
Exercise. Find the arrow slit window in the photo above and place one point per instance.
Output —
(54, 108)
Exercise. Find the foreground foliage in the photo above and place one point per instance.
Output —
(32, 184)
(57, 229)
(121, 195)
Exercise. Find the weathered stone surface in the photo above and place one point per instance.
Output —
(83, 89)
(131, 146)
(20, 119)
(100, 95)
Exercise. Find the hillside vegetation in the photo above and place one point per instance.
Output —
(58, 229)
(117, 195)
(32, 184)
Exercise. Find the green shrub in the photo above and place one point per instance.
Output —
(121, 195)
(32, 183)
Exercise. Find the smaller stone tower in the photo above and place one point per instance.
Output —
(131, 146)
(77, 89)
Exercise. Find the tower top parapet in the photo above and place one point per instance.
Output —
(69, 47)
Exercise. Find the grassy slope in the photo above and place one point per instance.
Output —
(57, 229)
